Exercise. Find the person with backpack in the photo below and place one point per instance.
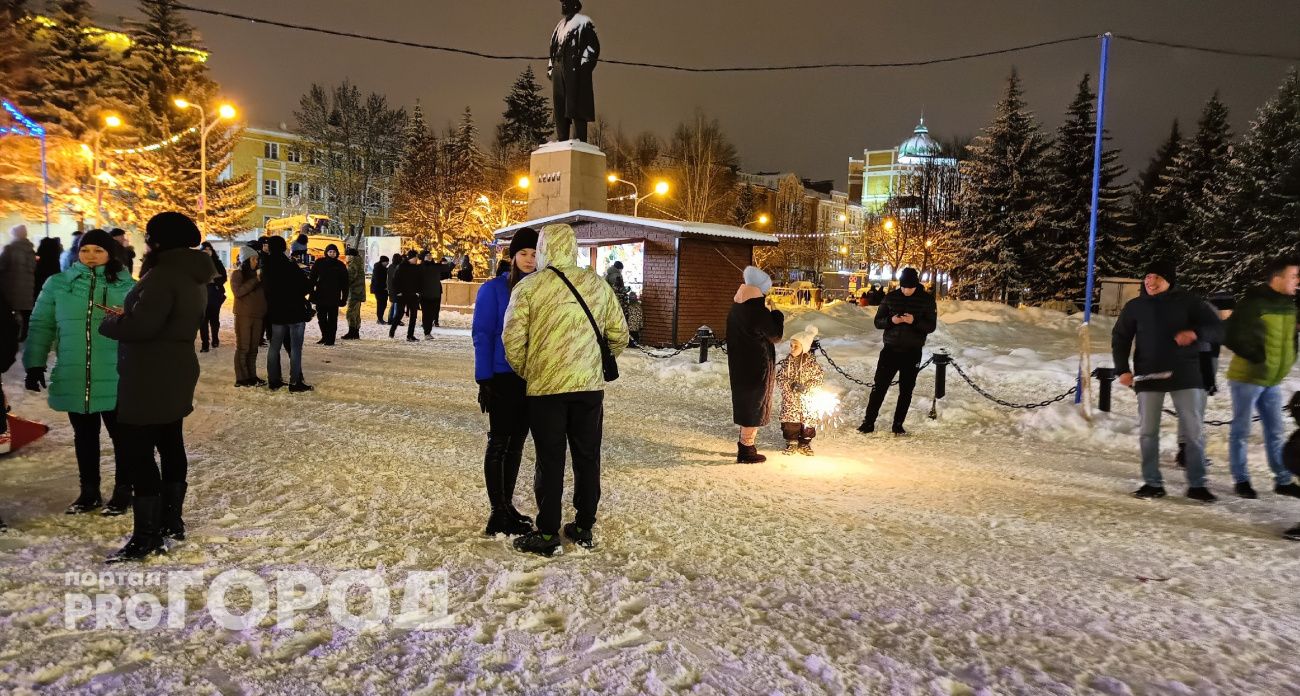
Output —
(563, 331)
(84, 382)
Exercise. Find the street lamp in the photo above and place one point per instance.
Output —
(763, 219)
(661, 189)
(225, 111)
(111, 121)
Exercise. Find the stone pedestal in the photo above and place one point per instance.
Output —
(567, 176)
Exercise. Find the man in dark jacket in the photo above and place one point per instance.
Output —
(395, 309)
(430, 292)
(329, 291)
(158, 371)
(752, 334)
(908, 316)
(1162, 329)
(379, 287)
(286, 287)
(406, 288)
(18, 277)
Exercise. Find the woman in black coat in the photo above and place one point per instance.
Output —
(48, 253)
(752, 334)
(329, 291)
(158, 370)
(210, 327)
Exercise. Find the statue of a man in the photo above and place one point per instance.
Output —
(574, 52)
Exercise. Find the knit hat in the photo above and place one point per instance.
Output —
(909, 278)
(1163, 268)
(805, 338)
(276, 245)
(101, 239)
(172, 230)
(412, 254)
(333, 248)
(525, 238)
(756, 277)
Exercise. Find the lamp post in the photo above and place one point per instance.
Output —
(111, 121)
(661, 189)
(225, 111)
(763, 219)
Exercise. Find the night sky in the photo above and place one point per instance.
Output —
(806, 122)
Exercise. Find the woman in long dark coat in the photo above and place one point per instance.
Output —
(752, 334)
(158, 370)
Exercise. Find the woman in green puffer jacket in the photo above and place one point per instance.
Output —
(84, 382)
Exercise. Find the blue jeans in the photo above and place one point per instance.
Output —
(1246, 400)
(1190, 405)
(293, 334)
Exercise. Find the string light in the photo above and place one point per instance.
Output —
(156, 146)
(33, 128)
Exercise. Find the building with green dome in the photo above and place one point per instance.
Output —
(876, 177)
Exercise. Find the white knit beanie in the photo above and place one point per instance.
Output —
(756, 277)
(806, 337)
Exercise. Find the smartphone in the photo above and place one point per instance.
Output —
(108, 310)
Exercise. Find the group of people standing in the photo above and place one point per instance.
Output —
(125, 363)
(1160, 345)
(413, 282)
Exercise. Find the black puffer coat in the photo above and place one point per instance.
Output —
(156, 363)
(925, 318)
(286, 287)
(752, 334)
(329, 280)
(1150, 323)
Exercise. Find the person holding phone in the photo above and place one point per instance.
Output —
(1161, 330)
(84, 382)
(908, 316)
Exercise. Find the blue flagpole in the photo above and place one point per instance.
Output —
(45, 186)
(1096, 193)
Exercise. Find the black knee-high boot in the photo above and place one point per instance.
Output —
(173, 504)
(146, 540)
(502, 521)
(514, 456)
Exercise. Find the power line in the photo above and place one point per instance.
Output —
(724, 69)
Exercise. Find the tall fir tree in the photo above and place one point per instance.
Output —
(1069, 203)
(1264, 191)
(79, 79)
(164, 65)
(1186, 224)
(746, 209)
(18, 55)
(416, 193)
(1003, 214)
(527, 120)
(1144, 205)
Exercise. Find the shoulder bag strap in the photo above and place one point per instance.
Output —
(600, 335)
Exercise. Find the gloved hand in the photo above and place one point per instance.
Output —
(35, 378)
(484, 395)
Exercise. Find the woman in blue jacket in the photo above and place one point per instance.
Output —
(501, 392)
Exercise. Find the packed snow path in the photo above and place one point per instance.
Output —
(993, 552)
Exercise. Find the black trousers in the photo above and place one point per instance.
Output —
(139, 443)
(563, 126)
(507, 431)
(25, 316)
(381, 302)
(210, 327)
(798, 431)
(574, 421)
(85, 441)
(410, 309)
(905, 363)
(431, 307)
(327, 317)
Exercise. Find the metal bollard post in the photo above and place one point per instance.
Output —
(705, 336)
(1105, 375)
(941, 361)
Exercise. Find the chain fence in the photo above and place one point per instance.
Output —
(1001, 402)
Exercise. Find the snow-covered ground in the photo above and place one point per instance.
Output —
(995, 552)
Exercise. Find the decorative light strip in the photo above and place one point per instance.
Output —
(818, 235)
(156, 146)
(33, 129)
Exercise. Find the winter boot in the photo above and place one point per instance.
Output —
(748, 454)
(300, 387)
(351, 335)
(791, 447)
(1245, 490)
(1290, 489)
(1201, 494)
(1149, 492)
(538, 543)
(502, 521)
(86, 502)
(120, 501)
(805, 448)
(171, 525)
(204, 349)
(275, 386)
(581, 537)
(899, 430)
(1293, 533)
(867, 428)
(145, 540)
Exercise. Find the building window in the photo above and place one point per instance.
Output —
(376, 231)
(314, 192)
(294, 155)
(293, 189)
(271, 187)
(272, 151)
(317, 159)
